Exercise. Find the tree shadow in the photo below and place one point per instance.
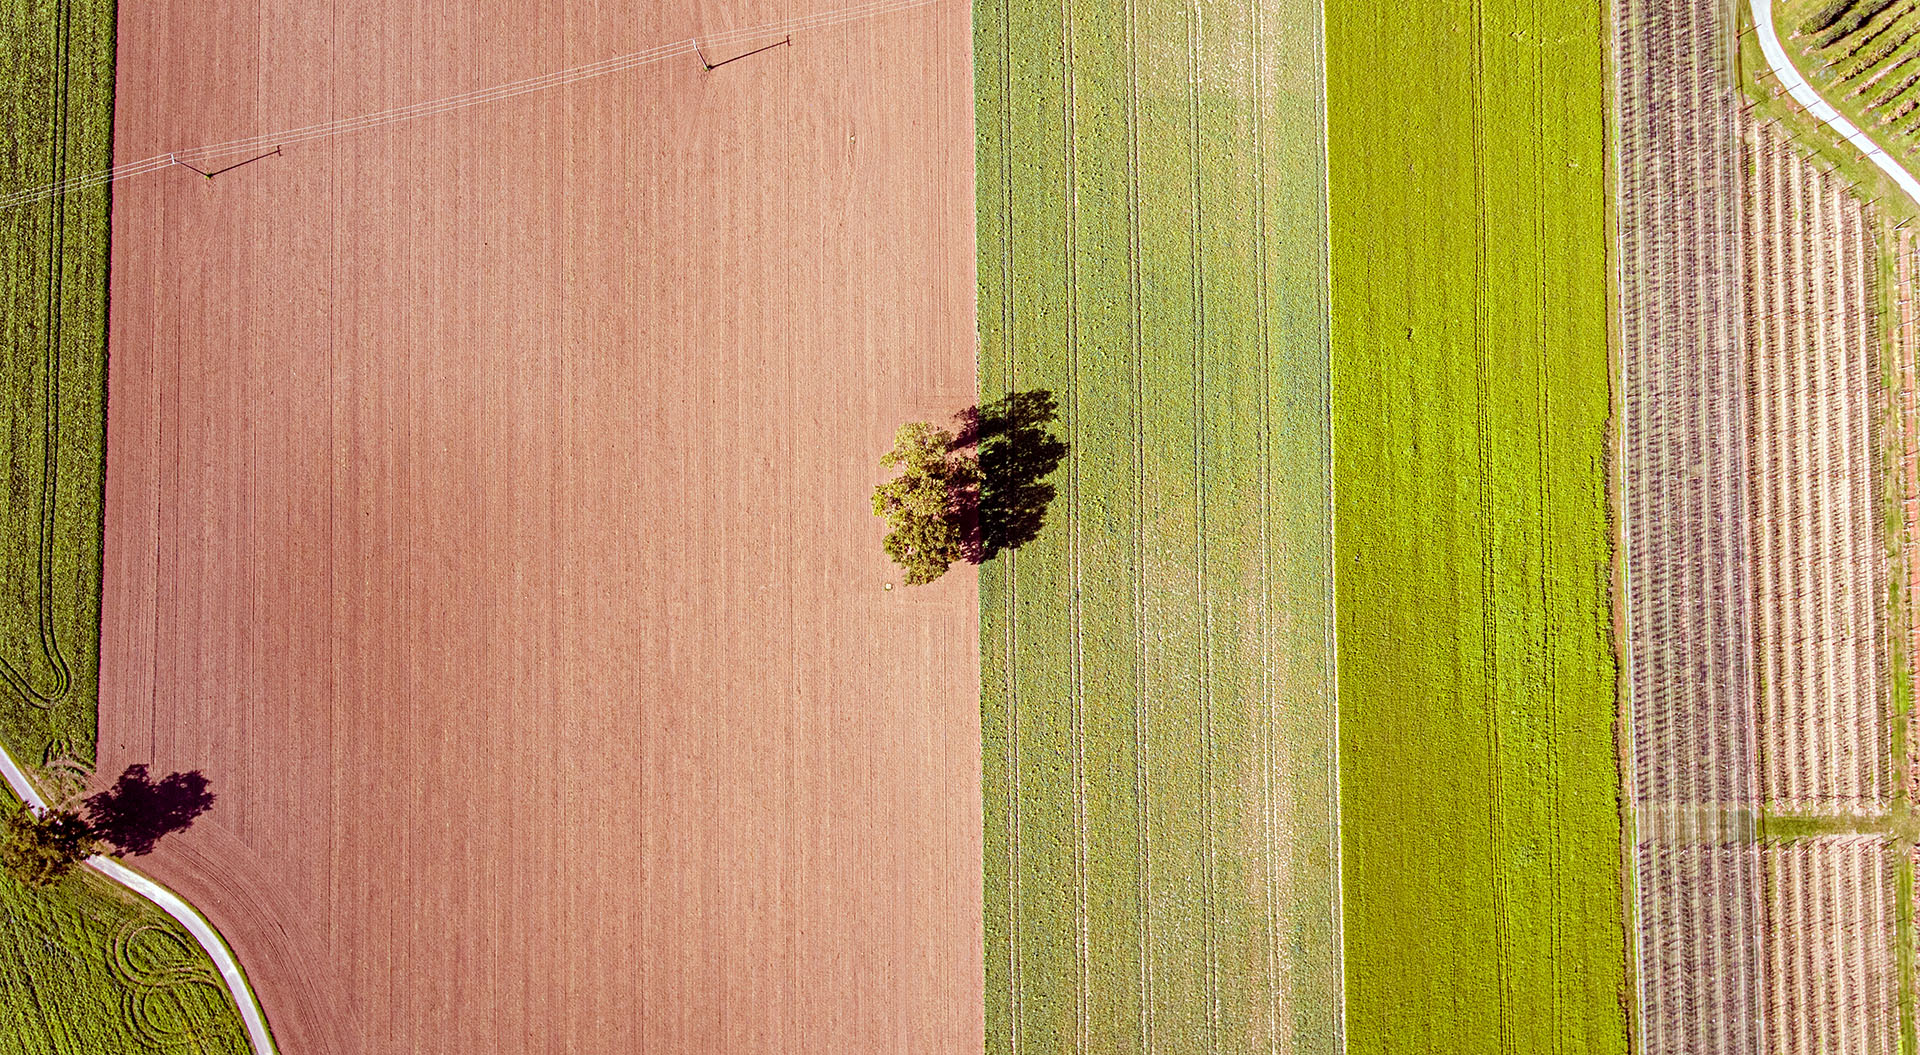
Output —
(1016, 454)
(136, 812)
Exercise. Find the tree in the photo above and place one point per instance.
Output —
(923, 505)
(39, 848)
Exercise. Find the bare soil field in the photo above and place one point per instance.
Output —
(487, 519)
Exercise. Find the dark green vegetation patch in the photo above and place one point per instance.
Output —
(1863, 56)
(56, 69)
(1481, 828)
(86, 970)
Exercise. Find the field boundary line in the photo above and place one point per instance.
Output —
(1076, 605)
(1142, 758)
(173, 905)
(1332, 630)
(1806, 95)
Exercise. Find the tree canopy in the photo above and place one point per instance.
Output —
(37, 849)
(924, 504)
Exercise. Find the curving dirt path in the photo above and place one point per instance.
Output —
(170, 903)
(1806, 96)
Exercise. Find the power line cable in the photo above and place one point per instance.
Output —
(206, 157)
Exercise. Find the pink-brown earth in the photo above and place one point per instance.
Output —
(488, 520)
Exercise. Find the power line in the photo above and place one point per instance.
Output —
(206, 157)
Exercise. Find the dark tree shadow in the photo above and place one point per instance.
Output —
(136, 812)
(1016, 454)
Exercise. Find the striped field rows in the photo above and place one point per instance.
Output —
(1693, 780)
(1820, 578)
(1156, 683)
(1687, 414)
(1757, 580)
(1832, 966)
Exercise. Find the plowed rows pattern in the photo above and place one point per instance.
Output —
(1687, 417)
(489, 524)
(1833, 985)
(1820, 577)
(1700, 948)
(1755, 582)
(1686, 462)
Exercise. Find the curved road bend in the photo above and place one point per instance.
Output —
(173, 905)
(1806, 96)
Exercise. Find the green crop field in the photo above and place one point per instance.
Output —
(1156, 672)
(88, 969)
(56, 87)
(1481, 829)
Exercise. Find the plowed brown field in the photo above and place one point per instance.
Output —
(487, 518)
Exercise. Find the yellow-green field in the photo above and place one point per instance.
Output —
(1479, 785)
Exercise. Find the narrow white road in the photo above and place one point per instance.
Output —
(1803, 93)
(173, 905)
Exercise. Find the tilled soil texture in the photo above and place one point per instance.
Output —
(488, 520)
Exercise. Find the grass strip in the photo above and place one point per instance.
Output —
(1156, 669)
(56, 87)
(1480, 820)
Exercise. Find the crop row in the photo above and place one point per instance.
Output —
(1819, 577)
(1868, 50)
(1701, 964)
(1687, 460)
(1832, 971)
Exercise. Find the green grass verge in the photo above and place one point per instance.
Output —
(1156, 672)
(1811, 137)
(1479, 784)
(1863, 91)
